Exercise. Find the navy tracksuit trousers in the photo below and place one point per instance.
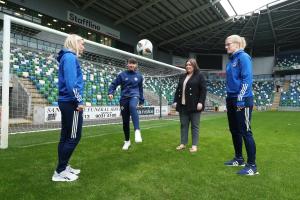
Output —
(71, 127)
(129, 108)
(240, 128)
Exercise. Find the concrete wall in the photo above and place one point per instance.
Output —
(58, 9)
(62, 6)
(163, 56)
(261, 65)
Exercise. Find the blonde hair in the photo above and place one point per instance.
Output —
(238, 40)
(71, 43)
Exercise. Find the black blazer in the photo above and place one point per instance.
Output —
(195, 92)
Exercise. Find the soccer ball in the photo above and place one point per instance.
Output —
(144, 47)
(99, 97)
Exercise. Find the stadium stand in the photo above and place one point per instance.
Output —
(41, 69)
(291, 98)
(263, 93)
(165, 86)
(217, 88)
(288, 61)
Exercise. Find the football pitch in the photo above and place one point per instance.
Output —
(154, 169)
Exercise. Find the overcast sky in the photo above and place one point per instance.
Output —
(244, 6)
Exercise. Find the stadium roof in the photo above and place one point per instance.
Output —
(182, 26)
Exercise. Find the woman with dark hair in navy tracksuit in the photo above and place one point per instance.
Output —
(239, 104)
(70, 83)
(132, 96)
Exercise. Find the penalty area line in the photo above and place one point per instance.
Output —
(90, 136)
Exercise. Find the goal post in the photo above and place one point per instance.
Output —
(5, 82)
(97, 58)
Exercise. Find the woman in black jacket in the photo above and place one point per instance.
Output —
(189, 101)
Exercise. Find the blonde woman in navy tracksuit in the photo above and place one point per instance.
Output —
(71, 106)
(239, 104)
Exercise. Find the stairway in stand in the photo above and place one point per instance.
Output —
(36, 97)
(277, 95)
(286, 86)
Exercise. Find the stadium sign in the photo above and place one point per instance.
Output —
(145, 111)
(52, 113)
(91, 24)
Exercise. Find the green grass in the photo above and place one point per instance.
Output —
(154, 169)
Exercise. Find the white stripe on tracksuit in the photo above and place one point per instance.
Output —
(77, 95)
(247, 122)
(242, 92)
(74, 124)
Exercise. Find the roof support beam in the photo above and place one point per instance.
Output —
(288, 10)
(75, 4)
(254, 34)
(289, 28)
(187, 14)
(271, 24)
(295, 39)
(218, 13)
(197, 30)
(107, 9)
(232, 7)
(216, 32)
(288, 35)
(290, 25)
(87, 4)
(240, 33)
(246, 24)
(291, 16)
(222, 39)
(287, 23)
(255, 30)
(139, 10)
(291, 37)
(284, 5)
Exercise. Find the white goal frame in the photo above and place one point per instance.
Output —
(7, 21)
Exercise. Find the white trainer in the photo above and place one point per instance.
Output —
(126, 145)
(138, 137)
(64, 176)
(72, 170)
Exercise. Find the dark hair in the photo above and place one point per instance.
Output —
(132, 61)
(193, 63)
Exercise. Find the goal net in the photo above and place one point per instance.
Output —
(29, 78)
